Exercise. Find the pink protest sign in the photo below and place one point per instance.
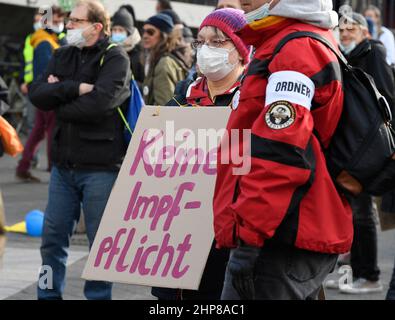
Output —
(157, 228)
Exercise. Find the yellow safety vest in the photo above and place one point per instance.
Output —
(61, 36)
(28, 54)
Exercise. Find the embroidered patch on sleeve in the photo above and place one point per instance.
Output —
(280, 115)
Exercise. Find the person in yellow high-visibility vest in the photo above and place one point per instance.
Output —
(28, 55)
(28, 76)
(44, 42)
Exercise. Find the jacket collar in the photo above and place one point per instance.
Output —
(198, 92)
(132, 41)
(42, 35)
(360, 50)
(257, 32)
(100, 45)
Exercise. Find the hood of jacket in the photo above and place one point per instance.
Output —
(316, 12)
(44, 36)
(182, 54)
(132, 41)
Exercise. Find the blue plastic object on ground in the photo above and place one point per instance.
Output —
(34, 223)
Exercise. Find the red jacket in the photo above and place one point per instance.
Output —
(288, 195)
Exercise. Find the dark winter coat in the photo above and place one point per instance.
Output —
(89, 131)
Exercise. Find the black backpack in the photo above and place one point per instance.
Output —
(359, 157)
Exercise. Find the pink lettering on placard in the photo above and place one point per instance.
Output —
(184, 157)
(175, 208)
(164, 205)
(121, 267)
(138, 255)
(105, 247)
(139, 204)
(114, 249)
(193, 205)
(163, 256)
(142, 156)
(166, 153)
(143, 270)
(165, 249)
(183, 248)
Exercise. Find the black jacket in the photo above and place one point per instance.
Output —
(89, 131)
(370, 56)
(136, 65)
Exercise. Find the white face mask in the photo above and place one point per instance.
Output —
(348, 49)
(214, 62)
(75, 37)
(37, 26)
(260, 13)
(58, 29)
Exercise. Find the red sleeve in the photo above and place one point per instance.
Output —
(282, 159)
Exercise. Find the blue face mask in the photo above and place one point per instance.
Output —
(119, 37)
(375, 34)
(260, 13)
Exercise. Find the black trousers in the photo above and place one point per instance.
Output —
(285, 273)
(364, 248)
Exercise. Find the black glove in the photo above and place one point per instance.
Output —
(242, 268)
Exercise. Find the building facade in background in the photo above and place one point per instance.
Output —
(386, 6)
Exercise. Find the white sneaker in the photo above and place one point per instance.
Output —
(362, 286)
(332, 284)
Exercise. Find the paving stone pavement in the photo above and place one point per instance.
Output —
(22, 260)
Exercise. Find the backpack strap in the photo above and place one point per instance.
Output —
(112, 45)
(262, 66)
(315, 36)
(121, 114)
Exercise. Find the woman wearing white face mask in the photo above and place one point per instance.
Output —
(221, 59)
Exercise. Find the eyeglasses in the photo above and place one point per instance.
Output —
(150, 32)
(214, 43)
(76, 20)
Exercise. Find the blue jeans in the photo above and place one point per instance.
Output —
(69, 191)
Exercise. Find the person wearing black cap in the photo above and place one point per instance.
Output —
(163, 5)
(173, 15)
(125, 33)
(167, 59)
(370, 56)
(179, 25)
